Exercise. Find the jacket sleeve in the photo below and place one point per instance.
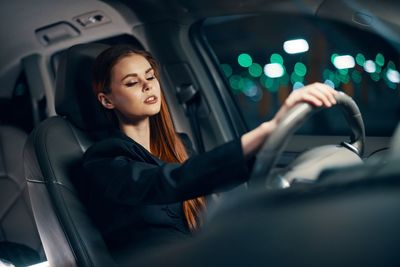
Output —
(119, 175)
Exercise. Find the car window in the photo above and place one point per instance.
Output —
(264, 58)
(16, 110)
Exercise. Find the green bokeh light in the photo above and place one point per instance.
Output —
(380, 59)
(247, 84)
(375, 77)
(378, 69)
(255, 70)
(391, 65)
(326, 74)
(356, 76)
(360, 59)
(266, 81)
(391, 85)
(300, 69)
(235, 81)
(333, 57)
(226, 69)
(343, 71)
(344, 78)
(276, 58)
(274, 87)
(284, 80)
(296, 78)
(245, 60)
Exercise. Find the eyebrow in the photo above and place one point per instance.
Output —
(135, 74)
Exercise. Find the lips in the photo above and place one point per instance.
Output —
(151, 100)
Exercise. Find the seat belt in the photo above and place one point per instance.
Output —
(189, 97)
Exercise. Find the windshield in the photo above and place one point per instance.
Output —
(264, 58)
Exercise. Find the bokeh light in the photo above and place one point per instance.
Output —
(226, 69)
(344, 62)
(296, 46)
(255, 70)
(300, 69)
(369, 66)
(274, 70)
(276, 58)
(393, 76)
(245, 60)
(380, 59)
(297, 85)
(360, 59)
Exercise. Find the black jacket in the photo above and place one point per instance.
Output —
(133, 196)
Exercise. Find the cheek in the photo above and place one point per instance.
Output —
(128, 99)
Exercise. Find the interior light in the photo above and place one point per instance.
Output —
(273, 70)
(296, 46)
(369, 66)
(393, 76)
(344, 62)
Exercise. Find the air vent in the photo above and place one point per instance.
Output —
(56, 32)
(92, 19)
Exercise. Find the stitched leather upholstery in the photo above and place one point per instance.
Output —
(52, 163)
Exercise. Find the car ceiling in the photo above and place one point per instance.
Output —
(27, 16)
(21, 18)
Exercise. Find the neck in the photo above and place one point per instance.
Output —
(138, 131)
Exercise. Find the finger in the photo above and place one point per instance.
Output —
(311, 100)
(328, 91)
(319, 95)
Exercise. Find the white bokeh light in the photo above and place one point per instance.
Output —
(393, 76)
(295, 46)
(344, 62)
(369, 66)
(273, 70)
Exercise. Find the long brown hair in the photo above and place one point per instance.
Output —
(164, 142)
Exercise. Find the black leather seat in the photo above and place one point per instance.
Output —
(19, 239)
(52, 164)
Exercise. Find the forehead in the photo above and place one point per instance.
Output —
(132, 63)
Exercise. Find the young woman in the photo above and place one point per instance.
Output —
(143, 187)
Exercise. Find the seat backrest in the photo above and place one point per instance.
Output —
(52, 163)
(17, 224)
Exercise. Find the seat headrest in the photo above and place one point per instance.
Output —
(74, 97)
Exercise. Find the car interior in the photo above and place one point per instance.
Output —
(324, 189)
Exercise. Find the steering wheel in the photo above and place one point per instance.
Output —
(274, 145)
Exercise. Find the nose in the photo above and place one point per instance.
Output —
(146, 86)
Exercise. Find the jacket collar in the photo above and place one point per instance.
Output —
(119, 134)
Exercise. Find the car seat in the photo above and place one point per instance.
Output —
(52, 163)
(19, 239)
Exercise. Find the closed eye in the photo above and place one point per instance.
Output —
(130, 84)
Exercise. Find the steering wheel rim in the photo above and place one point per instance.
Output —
(274, 145)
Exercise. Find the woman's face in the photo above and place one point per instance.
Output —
(135, 91)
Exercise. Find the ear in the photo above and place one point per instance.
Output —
(105, 101)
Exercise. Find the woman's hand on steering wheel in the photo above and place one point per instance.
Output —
(316, 94)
